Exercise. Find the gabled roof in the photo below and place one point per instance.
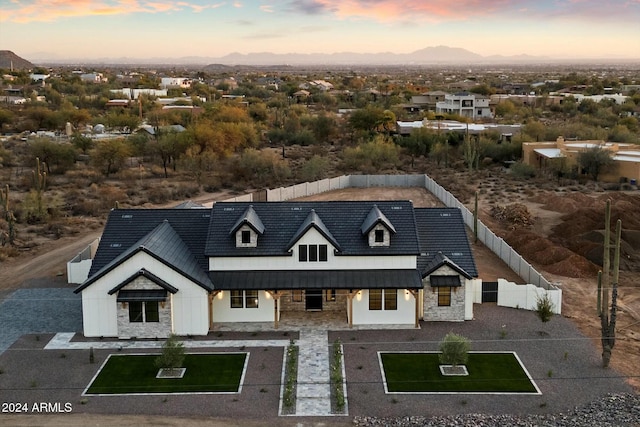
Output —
(375, 217)
(339, 221)
(442, 232)
(172, 236)
(144, 273)
(313, 221)
(438, 261)
(251, 218)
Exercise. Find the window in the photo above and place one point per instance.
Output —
(151, 312)
(143, 311)
(375, 299)
(444, 296)
(383, 299)
(330, 294)
(135, 311)
(302, 253)
(312, 253)
(244, 299)
(251, 299)
(390, 299)
(246, 236)
(236, 299)
(379, 236)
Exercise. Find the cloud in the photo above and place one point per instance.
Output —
(52, 10)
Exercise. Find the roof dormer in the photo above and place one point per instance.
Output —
(313, 221)
(247, 228)
(377, 228)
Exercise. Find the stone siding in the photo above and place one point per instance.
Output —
(340, 304)
(454, 312)
(161, 329)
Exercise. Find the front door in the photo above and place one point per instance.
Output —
(313, 299)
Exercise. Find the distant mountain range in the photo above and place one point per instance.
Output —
(435, 55)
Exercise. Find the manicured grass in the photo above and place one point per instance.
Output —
(488, 373)
(135, 373)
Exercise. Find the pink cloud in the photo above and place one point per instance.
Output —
(51, 10)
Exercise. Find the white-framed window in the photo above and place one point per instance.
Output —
(383, 299)
(143, 311)
(312, 253)
(244, 299)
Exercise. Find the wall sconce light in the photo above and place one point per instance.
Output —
(162, 304)
(124, 305)
(220, 295)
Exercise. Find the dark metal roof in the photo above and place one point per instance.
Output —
(438, 261)
(340, 220)
(374, 217)
(173, 236)
(313, 220)
(251, 218)
(142, 295)
(444, 281)
(316, 279)
(442, 230)
(144, 273)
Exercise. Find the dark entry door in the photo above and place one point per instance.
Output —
(313, 299)
(489, 291)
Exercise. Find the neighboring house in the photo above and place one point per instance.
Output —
(564, 154)
(465, 104)
(445, 126)
(429, 100)
(93, 78)
(162, 271)
(175, 82)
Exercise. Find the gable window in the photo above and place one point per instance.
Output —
(444, 296)
(244, 299)
(312, 253)
(143, 311)
(379, 236)
(383, 299)
(246, 236)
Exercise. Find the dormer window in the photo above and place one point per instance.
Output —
(377, 228)
(247, 229)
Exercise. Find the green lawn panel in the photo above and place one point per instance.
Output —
(124, 374)
(420, 372)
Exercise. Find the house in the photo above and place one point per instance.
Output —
(162, 271)
(175, 82)
(465, 104)
(429, 100)
(561, 154)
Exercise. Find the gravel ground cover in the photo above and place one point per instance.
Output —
(565, 365)
(39, 310)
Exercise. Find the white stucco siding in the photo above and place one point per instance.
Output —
(222, 311)
(190, 310)
(99, 314)
(405, 313)
(189, 304)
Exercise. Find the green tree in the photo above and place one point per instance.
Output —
(110, 155)
(82, 142)
(544, 308)
(595, 160)
(454, 350)
(172, 356)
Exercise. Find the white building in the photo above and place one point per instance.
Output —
(162, 271)
(465, 104)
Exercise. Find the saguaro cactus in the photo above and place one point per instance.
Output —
(605, 284)
(8, 216)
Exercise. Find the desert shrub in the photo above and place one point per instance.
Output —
(314, 169)
(544, 308)
(522, 170)
(454, 350)
(372, 156)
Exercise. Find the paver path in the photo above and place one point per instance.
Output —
(313, 393)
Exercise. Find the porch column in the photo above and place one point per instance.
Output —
(276, 295)
(350, 296)
(211, 297)
(416, 295)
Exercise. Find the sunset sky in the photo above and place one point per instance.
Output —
(63, 29)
